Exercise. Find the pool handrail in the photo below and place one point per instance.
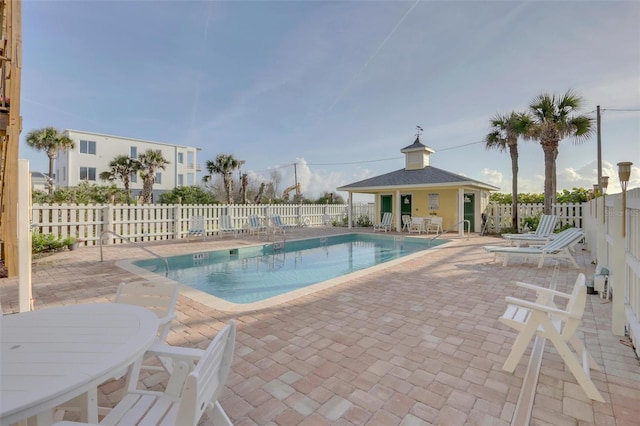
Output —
(166, 262)
(468, 222)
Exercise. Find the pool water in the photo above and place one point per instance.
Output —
(250, 274)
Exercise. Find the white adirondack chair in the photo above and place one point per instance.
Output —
(194, 386)
(543, 318)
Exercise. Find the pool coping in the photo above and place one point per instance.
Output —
(226, 306)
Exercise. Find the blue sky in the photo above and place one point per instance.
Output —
(335, 86)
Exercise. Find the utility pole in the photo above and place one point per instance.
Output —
(295, 176)
(599, 144)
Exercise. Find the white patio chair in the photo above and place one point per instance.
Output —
(256, 225)
(225, 226)
(385, 223)
(417, 225)
(406, 221)
(277, 223)
(190, 392)
(435, 225)
(160, 298)
(543, 318)
(558, 248)
(196, 227)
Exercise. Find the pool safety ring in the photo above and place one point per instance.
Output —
(306, 221)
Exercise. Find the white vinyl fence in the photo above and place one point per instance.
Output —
(499, 215)
(620, 254)
(171, 221)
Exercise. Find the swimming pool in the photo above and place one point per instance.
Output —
(251, 274)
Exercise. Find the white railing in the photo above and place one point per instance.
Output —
(619, 254)
(499, 215)
(155, 222)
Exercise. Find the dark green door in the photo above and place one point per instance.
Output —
(405, 204)
(469, 210)
(386, 204)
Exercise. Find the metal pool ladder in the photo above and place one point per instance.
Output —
(166, 262)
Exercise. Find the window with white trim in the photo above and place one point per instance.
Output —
(88, 147)
(88, 173)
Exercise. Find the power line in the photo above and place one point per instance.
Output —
(621, 109)
(352, 162)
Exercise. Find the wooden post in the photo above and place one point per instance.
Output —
(12, 63)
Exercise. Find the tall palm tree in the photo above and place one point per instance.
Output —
(150, 162)
(121, 168)
(224, 165)
(50, 140)
(505, 131)
(554, 120)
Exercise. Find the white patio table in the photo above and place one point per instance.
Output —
(52, 355)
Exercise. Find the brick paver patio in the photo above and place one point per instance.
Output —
(416, 343)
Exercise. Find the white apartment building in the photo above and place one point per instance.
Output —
(94, 151)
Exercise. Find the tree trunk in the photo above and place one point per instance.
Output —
(513, 151)
(549, 162)
(51, 158)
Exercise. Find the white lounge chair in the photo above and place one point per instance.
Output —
(542, 234)
(543, 318)
(385, 223)
(197, 227)
(558, 248)
(225, 226)
(256, 225)
(189, 393)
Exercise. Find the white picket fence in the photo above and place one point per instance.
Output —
(620, 254)
(499, 215)
(171, 221)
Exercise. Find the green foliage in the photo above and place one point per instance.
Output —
(188, 195)
(84, 193)
(328, 198)
(577, 195)
(532, 222)
(41, 243)
(340, 221)
(364, 221)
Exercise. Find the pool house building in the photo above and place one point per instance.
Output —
(421, 190)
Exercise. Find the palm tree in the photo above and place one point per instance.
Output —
(224, 165)
(121, 168)
(150, 162)
(50, 140)
(553, 121)
(505, 131)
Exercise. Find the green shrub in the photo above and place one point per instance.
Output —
(364, 221)
(532, 222)
(46, 242)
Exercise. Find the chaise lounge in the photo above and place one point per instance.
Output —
(558, 248)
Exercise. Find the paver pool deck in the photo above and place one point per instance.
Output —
(417, 342)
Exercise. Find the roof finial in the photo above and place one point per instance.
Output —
(418, 131)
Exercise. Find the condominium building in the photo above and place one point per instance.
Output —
(94, 151)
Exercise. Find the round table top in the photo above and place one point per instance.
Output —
(51, 355)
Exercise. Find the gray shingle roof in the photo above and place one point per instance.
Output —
(415, 144)
(426, 176)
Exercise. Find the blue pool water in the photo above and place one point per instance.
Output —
(251, 274)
